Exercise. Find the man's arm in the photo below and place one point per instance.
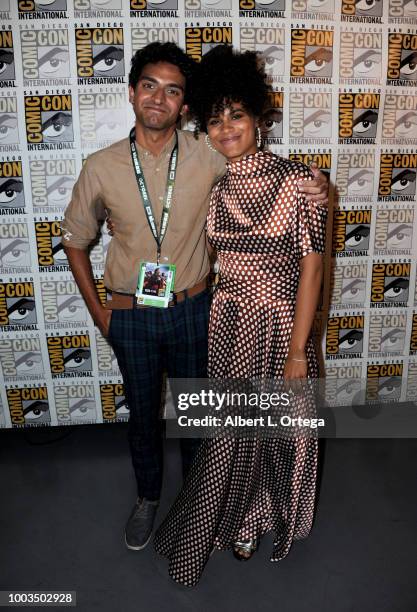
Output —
(317, 189)
(81, 269)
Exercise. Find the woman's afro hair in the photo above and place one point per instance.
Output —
(227, 76)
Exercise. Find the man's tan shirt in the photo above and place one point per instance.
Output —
(107, 181)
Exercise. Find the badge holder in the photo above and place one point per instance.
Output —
(155, 284)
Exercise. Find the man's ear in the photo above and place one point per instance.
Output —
(131, 94)
(184, 110)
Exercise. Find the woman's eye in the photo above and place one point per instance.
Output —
(403, 180)
(108, 59)
(356, 238)
(397, 290)
(365, 5)
(409, 65)
(350, 340)
(77, 358)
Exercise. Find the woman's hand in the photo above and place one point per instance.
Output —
(315, 190)
(295, 366)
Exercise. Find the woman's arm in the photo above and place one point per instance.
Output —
(311, 271)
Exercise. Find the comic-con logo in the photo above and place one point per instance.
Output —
(368, 11)
(106, 359)
(269, 43)
(12, 196)
(52, 181)
(113, 402)
(45, 56)
(355, 176)
(344, 337)
(62, 304)
(261, 8)
(97, 8)
(271, 122)
(142, 36)
(14, 247)
(322, 159)
(102, 118)
(394, 230)
(7, 60)
(70, 356)
(51, 254)
(413, 337)
(311, 56)
(28, 406)
(154, 8)
(21, 358)
(42, 9)
(75, 403)
(49, 121)
(351, 232)
(387, 334)
(390, 284)
(17, 306)
(402, 11)
(397, 177)
(384, 382)
(207, 8)
(411, 395)
(400, 119)
(98, 253)
(348, 284)
(200, 40)
(343, 384)
(360, 58)
(358, 117)
(310, 117)
(9, 131)
(312, 9)
(100, 55)
(402, 59)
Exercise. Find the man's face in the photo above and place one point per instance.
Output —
(158, 98)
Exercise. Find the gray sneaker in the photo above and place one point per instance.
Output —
(139, 525)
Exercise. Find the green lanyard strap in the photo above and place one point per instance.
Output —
(147, 204)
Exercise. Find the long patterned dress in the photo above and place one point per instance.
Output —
(241, 488)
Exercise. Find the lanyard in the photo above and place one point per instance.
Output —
(147, 205)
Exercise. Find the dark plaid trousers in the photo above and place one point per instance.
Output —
(146, 342)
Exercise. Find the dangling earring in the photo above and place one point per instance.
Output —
(208, 143)
(258, 135)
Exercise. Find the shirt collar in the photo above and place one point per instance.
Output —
(166, 151)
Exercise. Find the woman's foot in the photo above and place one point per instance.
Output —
(243, 551)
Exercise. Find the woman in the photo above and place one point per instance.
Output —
(269, 245)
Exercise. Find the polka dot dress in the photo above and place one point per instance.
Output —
(241, 488)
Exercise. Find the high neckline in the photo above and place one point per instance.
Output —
(253, 164)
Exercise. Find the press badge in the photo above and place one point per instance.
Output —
(155, 284)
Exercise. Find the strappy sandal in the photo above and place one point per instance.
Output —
(243, 551)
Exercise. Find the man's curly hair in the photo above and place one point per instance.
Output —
(163, 52)
(226, 76)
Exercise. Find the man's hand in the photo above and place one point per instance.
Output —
(102, 320)
(315, 190)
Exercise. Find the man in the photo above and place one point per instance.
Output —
(138, 180)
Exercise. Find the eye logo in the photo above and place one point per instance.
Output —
(48, 119)
(100, 54)
(11, 193)
(384, 382)
(344, 336)
(9, 133)
(390, 284)
(361, 10)
(311, 55)
(70, 356)
(15, 254)
(360, 182)
(7, 71)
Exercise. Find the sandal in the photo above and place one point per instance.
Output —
(243, 551)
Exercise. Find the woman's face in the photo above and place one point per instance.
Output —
(232, 132)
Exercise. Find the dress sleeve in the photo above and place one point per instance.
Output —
(81, 218)
(310, 222)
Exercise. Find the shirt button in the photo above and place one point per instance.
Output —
(157, 170)
(161, 198)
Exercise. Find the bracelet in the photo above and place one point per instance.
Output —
(301, 360)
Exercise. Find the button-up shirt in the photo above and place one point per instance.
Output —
(108, 181)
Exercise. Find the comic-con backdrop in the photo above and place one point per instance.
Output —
(344, 74)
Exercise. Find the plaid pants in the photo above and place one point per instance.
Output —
(146, 342)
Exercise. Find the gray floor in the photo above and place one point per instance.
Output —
(64, 504)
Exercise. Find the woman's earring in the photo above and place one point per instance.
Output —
(258, 137)
(208, 143)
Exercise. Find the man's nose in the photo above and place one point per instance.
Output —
(159, 95)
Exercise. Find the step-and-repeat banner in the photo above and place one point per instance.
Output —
(344, 75)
